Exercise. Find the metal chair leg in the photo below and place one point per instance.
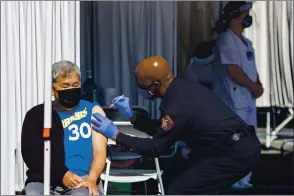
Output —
(160, 184)
(106, 176)
(145, 186)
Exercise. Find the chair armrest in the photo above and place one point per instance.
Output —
(175, 147)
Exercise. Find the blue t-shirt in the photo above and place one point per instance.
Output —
(78, 137)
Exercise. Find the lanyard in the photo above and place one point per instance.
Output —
(249, 54)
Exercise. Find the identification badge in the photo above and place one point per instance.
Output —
(236, 136)
(250, 55)
(166, 123)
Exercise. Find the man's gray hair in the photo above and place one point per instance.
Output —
(64, 68)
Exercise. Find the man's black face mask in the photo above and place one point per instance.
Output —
(151, 92)
(69, 98)
(145, 93)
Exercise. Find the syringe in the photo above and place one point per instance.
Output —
(120, 97)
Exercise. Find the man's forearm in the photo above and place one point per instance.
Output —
(143, 123)
(142, 146)
(97, 168)
(240, 77)
(147, 146)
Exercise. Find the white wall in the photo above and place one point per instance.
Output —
(33, 35)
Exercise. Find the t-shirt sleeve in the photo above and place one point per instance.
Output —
(228, 52)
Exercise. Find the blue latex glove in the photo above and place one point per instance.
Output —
(123, 106)
(104, 126)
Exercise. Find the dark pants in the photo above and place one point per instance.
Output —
(218, 172)
(37, 188)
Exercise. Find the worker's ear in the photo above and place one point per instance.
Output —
(154, 88)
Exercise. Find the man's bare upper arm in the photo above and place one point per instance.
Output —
(99, 141)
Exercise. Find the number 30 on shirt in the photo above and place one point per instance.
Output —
(75, 131)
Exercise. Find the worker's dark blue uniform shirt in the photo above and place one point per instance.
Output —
(192, 113)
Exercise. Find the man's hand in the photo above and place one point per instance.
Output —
(123, 106)
(92, 186)
(104, 126)
(71, 180)
(257, 90)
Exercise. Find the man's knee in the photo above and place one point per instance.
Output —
(80, 191)
(34, 188)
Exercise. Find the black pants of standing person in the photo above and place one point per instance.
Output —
(213, 174)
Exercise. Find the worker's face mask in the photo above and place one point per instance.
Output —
(151, 92)
(247, 21)
(69, 98)
(146, 94)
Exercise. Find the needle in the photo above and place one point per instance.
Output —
(120, 97)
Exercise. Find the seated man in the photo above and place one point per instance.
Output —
(78, 154)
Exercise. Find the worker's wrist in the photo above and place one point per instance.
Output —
(259, 83)
(251, 86)
(115, 136)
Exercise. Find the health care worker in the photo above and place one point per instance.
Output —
(235, 78)
(223, 147)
